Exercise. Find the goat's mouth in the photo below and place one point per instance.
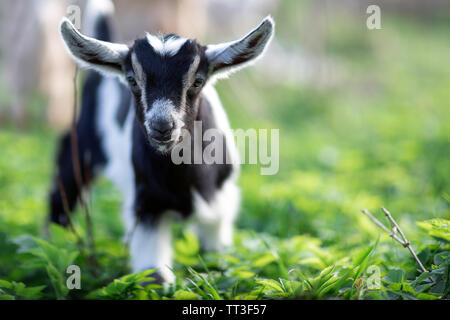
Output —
(162, 142)
(166, 144)
(162, 146)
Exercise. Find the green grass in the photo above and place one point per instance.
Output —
(379, 137)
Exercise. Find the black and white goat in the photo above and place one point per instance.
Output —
(129, 123)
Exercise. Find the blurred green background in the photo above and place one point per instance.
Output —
(364, 123)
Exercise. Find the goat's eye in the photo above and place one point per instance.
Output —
(132, 81)
(198, 82)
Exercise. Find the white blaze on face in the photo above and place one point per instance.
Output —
(138, 70)
(169, 47)
(189, 78)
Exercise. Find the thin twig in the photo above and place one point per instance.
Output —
(406, 242)
(67, 210)
(77, 169)
(378, 223)
(74, 137)
(395, 227)
(80, 242)
(86, 198)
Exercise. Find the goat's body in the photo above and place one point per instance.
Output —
(154, 188)
(130, 133)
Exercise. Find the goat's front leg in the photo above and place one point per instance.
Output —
(213, 222)
(151, 247)
(214, 235)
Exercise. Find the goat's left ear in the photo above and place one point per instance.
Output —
(105, 57)
(226, 58)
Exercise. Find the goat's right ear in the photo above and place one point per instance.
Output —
(91, 53)
(228, 57)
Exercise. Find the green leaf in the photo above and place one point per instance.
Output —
(437, 228)
(395, 275)
(264, 260)
(270, 284)
(57, 281)
(426, 296)
(187, 249)
(25, 243)
(362, 258)
(186, 295)
(442, 257)
(5, 284)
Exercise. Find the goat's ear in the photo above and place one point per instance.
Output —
(91, 53)
(228, 57)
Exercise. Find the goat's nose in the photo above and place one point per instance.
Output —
(162, 126)
(161, 129)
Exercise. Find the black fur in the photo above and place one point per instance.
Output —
(103, 29)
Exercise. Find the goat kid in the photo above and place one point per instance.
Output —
(130, 122)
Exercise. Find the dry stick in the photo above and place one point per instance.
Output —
(77, 168)
(395, 225)
(74, 137)
(67, 210)
(89, 226)
(405, 243)
(378, 223)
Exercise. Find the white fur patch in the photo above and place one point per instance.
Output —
(170, 47)
(151, 247)
(222, 123)
(213, 222)
(116, 141)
